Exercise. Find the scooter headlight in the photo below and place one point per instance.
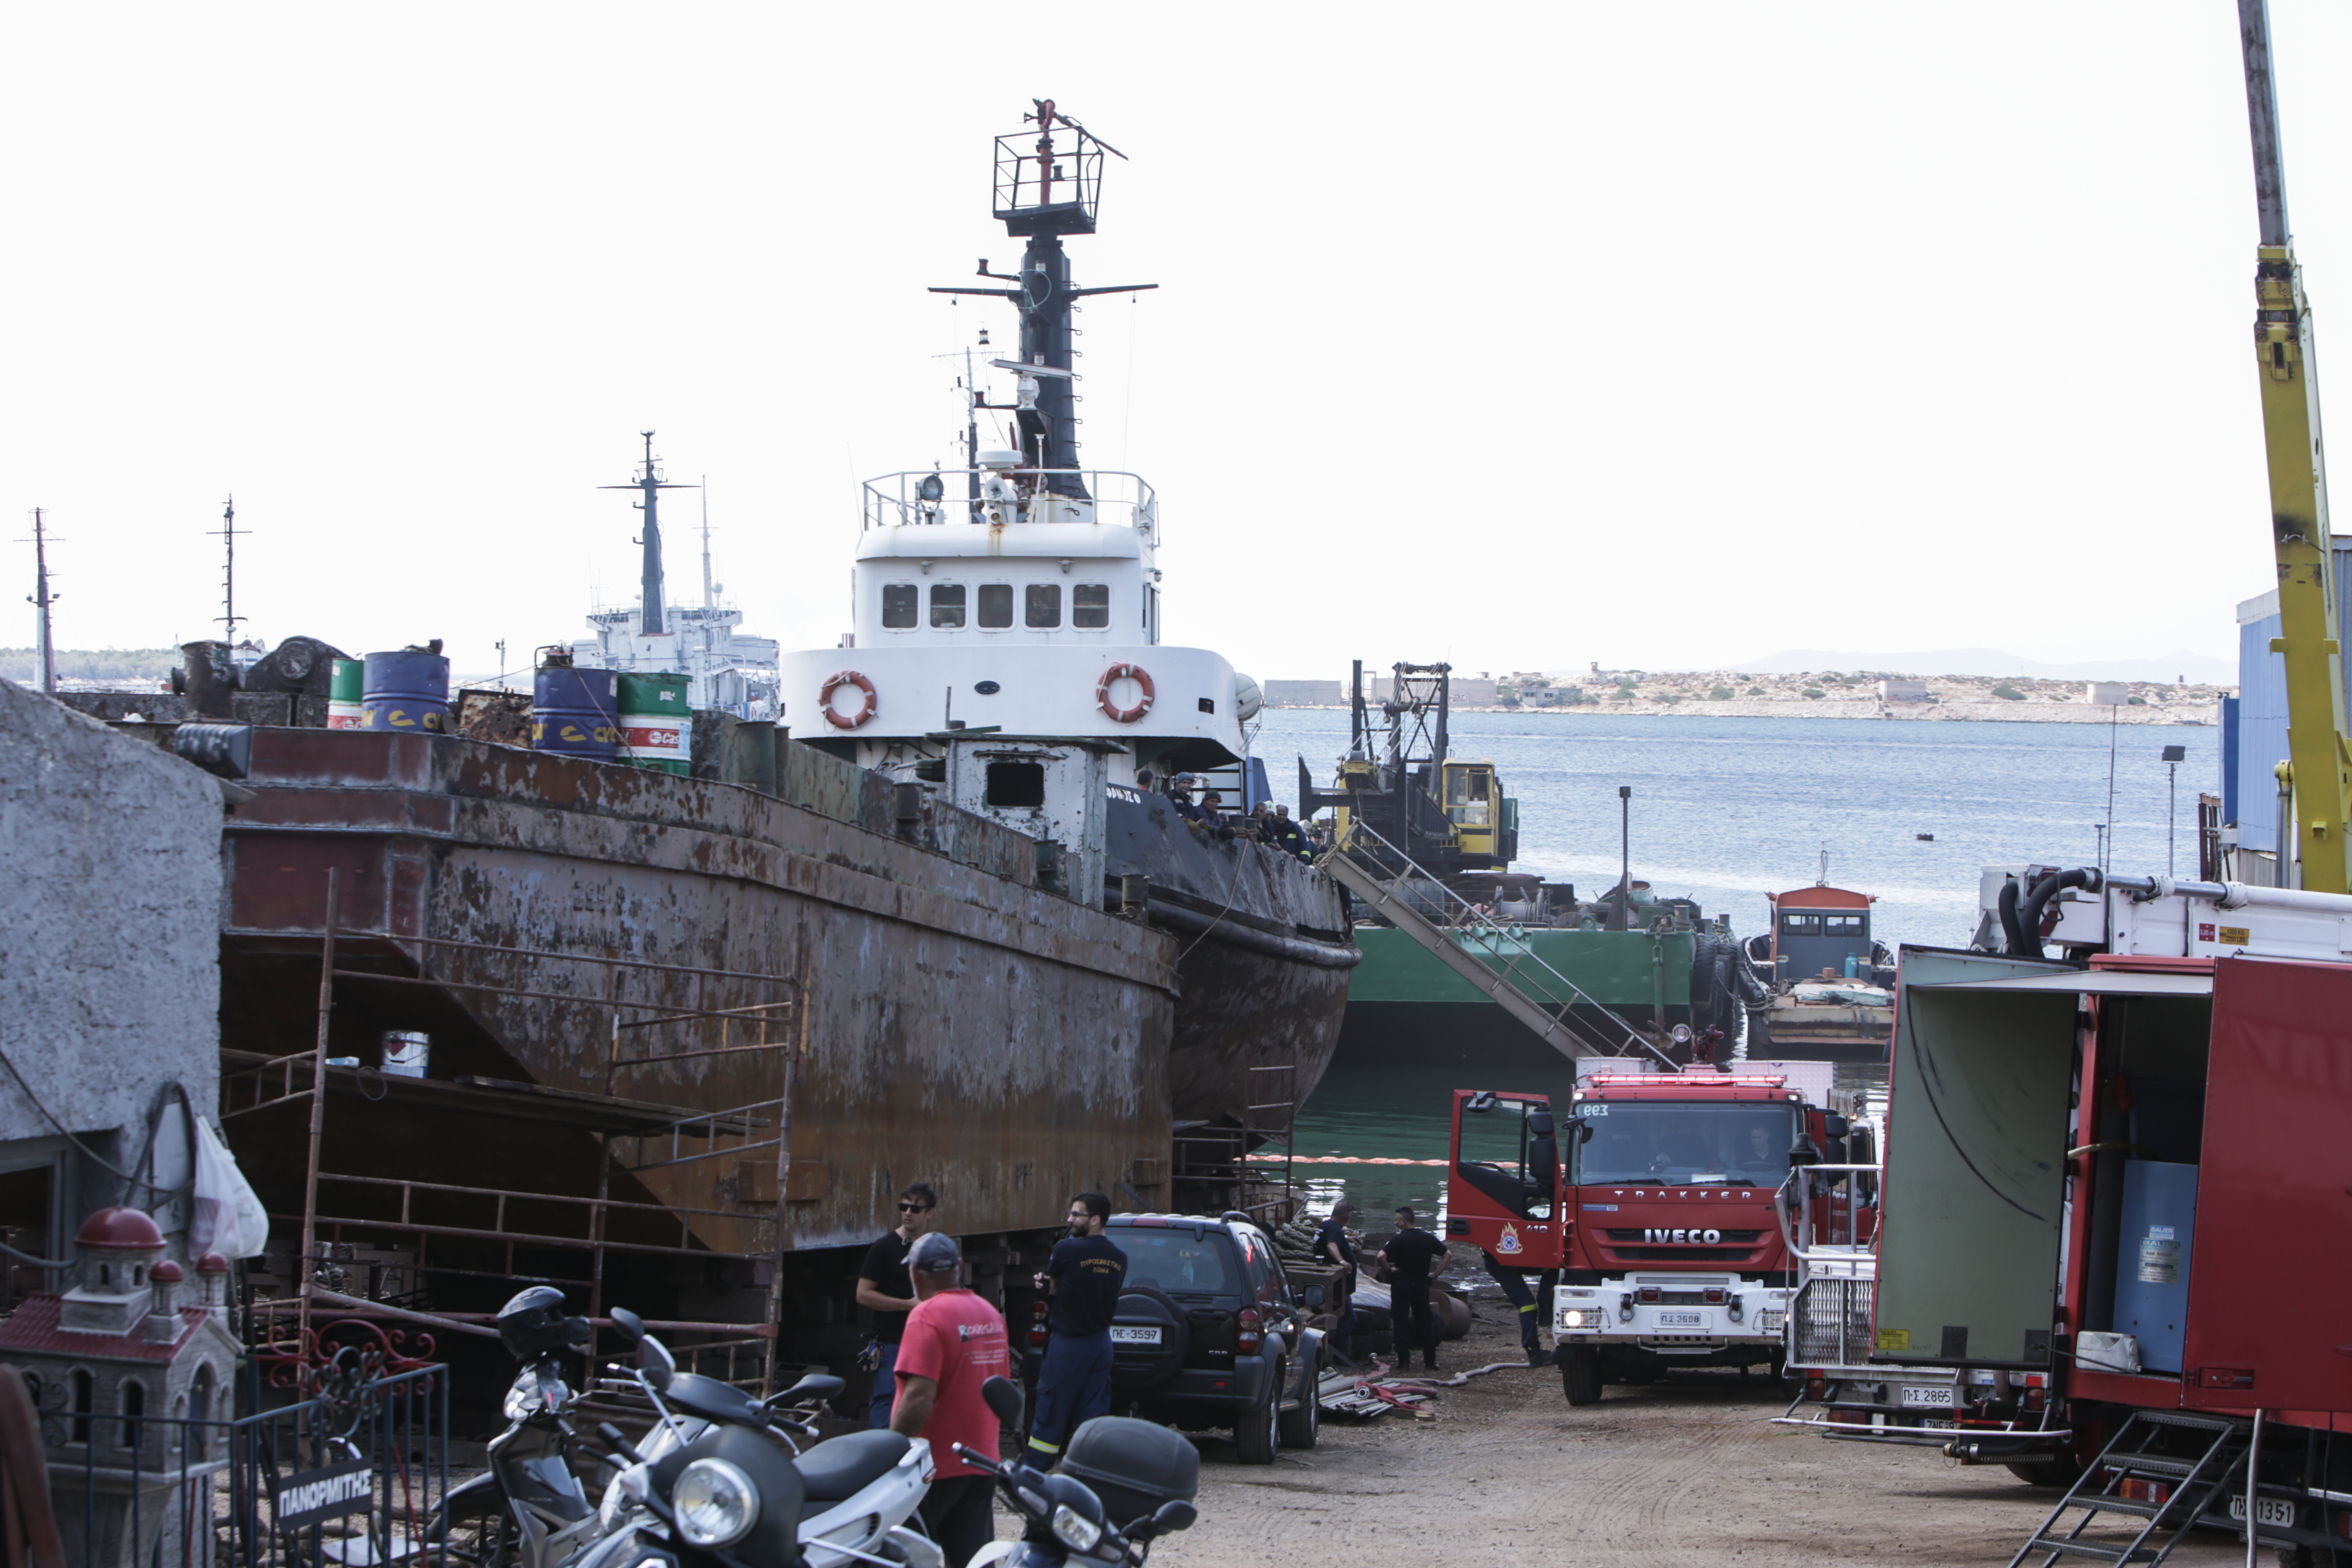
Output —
(1074, 1529)
(716, 1503)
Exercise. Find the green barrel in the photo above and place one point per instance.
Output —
(343, 696)
(656, 725)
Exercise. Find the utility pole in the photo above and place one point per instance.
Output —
(228, 533)
(2173, 757)
(1625, 847)
(502, 663)
(45, 651)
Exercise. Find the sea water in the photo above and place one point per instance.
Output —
(1726, 810)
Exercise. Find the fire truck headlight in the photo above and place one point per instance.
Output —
(1769, 1319)
(1572, 1319)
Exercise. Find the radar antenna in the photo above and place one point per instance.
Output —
(650, 484)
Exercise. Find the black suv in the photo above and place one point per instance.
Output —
(1207, 1334)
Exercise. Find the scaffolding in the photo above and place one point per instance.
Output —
(341, 1210)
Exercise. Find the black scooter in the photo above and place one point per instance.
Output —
(1120, 1485)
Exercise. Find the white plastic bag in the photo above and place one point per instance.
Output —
(228, 1218)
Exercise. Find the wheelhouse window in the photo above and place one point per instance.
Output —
(1090, 605)
(1044, 604)
(1800, 925)
(1847, 926)
(899, 601)
(995, 605)
(947, 605)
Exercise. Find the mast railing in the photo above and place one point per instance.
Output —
(1113, 499)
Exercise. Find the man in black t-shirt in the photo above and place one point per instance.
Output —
(1411, 1253)
(885, 1290)
(1331, 1246)
(1086, 1274)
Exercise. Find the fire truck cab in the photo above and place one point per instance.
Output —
(1656, 1199)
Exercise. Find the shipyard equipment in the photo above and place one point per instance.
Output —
(1448, 816)
(2319, 760)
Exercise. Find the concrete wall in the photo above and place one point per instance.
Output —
(110, 939)
(1305, 694)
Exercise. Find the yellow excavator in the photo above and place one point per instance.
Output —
(2319, 766)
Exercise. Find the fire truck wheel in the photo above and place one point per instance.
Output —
(1256, 1434)
(1580, 1374)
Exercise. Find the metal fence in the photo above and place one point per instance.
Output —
(352, 1475)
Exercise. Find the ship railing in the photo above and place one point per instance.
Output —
(1450, 926)
(1102, 496)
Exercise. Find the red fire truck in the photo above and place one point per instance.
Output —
(1655, 1201)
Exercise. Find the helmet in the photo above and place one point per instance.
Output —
(533, 1324)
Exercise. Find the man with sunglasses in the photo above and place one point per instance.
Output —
(885, 1290)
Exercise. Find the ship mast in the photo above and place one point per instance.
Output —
(45, 652)
(650, 484)
(1042, 193)
(228, 533)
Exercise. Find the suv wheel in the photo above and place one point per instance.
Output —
(1300, 1427)
(1256, 1434)
(1580, 1374)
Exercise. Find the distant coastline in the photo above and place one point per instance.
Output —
(1996, 712)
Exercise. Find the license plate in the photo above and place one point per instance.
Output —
(2271, 1510)
(1122, 1335)
(1940, 1423)
(1682, 1320)
(1926, 1398)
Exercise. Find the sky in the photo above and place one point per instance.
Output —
(1521, 336)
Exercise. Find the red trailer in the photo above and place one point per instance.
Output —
(2115, 1208)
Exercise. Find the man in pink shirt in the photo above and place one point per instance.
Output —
(955, 1342)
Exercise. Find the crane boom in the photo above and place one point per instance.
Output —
(2319, 761)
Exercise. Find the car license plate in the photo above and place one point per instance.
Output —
(1682, 1320)
(2271, 1510)
(1939, 1424)
(1935, 1398)
(1120, 1334)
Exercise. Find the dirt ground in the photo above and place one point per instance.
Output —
(1686, 1470)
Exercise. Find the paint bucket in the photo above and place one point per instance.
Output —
(405, 692)
(343, 696)
(656, 725)
(405, 1051)
(572, 712)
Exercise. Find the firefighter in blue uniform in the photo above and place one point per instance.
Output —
(1085, 1272)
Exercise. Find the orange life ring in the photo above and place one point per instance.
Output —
(1134, 672)
(865, 710)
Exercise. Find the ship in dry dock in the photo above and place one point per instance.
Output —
(678, 1040)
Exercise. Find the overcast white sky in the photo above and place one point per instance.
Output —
(1522, 335)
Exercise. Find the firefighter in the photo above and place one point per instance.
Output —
(1411, 1253)
(1515, 1286)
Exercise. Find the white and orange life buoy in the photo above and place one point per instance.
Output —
(1112, 677)
(868, 704)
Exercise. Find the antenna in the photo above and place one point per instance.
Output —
(1825, 866)
(228, 533)
(650, 484)
(44, 653)
(709, 599)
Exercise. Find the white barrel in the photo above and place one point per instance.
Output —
(405, 1051)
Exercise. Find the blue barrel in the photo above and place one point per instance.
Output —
(407, 692)
(572, 713)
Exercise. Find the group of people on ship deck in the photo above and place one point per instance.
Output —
(1268, 822)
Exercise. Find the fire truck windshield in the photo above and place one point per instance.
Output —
(1678, 1143)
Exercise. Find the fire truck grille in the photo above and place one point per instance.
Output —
(1682, 1254)
(1833, 1322)
(1729, 1237)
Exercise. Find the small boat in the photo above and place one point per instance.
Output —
(1832, 981)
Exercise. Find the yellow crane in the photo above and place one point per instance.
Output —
(2319, 765)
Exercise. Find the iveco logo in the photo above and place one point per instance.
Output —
(1688, 1238)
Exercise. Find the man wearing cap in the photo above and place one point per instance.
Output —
(1179, 796)
(954, 1342)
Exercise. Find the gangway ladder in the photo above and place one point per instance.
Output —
(2194, 1482)
(1525, 986)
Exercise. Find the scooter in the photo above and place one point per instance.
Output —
(1146, 1474)
(702, 1484)
(532, 1509)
